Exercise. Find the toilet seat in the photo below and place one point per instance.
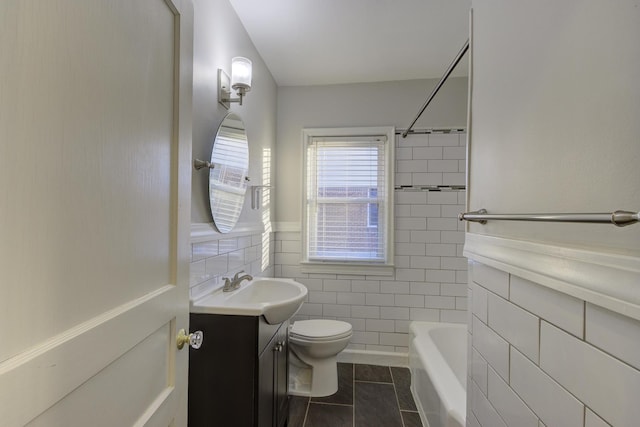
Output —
(319, 330)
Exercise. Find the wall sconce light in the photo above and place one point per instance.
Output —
(240, 81)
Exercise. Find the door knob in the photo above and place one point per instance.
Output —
(194, 339)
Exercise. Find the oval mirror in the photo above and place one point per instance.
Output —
(228, 176)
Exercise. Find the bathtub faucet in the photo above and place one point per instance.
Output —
(233, 284)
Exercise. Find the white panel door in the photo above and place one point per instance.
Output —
(95, 148)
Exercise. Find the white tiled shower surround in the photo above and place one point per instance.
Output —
(540, 357)
(430, 280)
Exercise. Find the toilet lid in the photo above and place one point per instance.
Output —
(320, 328)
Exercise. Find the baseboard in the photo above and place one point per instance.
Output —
(368, 357)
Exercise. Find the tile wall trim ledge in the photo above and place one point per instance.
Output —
(606, 279)
(287, 226)
(203, 232)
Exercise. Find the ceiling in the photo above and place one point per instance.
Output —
(316, 42)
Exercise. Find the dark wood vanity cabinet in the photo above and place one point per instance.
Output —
(239, 376)
(281, 377)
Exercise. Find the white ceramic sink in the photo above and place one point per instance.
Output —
(275, 299)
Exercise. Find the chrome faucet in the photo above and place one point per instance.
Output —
(233, 284)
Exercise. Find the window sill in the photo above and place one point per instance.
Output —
(347, 268)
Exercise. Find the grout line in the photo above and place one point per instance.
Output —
(373, 382)
(584, 322)
(329, 403)
(395, 391)
(306, 412)
(353, 405)
(353, 393)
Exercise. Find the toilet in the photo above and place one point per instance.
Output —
(314, 345)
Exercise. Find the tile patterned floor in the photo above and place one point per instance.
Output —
(368, 396)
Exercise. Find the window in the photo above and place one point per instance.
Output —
(348, 200)
(372, 208)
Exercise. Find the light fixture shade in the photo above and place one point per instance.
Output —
(241, 73)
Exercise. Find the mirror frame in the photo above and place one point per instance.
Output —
(228, 178)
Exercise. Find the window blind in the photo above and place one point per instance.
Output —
(346, 199)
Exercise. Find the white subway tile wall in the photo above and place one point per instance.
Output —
(223, 256)
(592, 420)
(478, 371)
(614, 333)
(539, 357)
(507, 403)
(561, 309)
(482, 409)
(430, 280)
(471, 419)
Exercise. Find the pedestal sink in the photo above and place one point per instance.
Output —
(274, 298)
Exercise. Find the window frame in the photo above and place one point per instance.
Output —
(385, 268)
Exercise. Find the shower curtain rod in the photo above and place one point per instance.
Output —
(400, 131)
(438, 86)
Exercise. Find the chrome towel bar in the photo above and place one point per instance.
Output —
(619, 218)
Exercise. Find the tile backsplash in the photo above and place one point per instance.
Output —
(222, 256)
(540, 357)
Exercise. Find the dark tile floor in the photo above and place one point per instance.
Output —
(368, 396)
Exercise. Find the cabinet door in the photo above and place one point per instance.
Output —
(266, 385)
(223, 373)
(282, 377)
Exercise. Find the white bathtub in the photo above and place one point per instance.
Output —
(438, 363)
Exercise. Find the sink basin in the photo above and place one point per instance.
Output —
(275, 299)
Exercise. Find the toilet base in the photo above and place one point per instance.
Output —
(321, 380)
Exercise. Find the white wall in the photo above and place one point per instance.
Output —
(555, 117)
(219, 36)
(554, 307)
(365, 104)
